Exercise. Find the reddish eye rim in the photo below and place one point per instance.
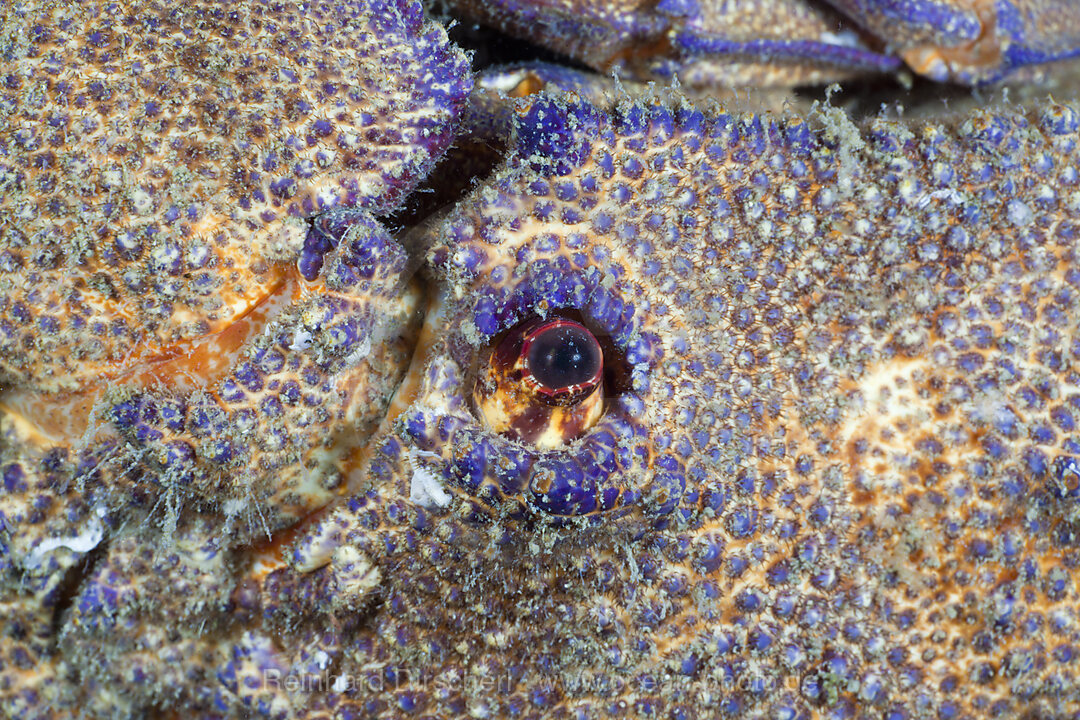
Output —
(564, 392)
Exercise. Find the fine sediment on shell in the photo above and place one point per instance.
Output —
(162, 359)
(837, 475)
(843, 465)
(155, 158)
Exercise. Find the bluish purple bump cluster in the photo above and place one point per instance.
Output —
(775, 532)
(761, 521)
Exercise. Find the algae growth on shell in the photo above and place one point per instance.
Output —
(257, 264)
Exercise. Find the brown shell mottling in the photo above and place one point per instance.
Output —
(170, 383)
(640, 40)
(154, 159)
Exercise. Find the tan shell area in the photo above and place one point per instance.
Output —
(157, 161)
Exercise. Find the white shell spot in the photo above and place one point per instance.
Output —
(426, 488)
(84, 542)
(1019, 213)
(301, 340)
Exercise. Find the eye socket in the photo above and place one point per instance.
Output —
(543, 382)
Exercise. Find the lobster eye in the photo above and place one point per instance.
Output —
(562, 357)
(543, 382)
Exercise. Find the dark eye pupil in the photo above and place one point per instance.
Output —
(564, 356)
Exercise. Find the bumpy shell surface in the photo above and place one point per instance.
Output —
(837, 476)
(839, 479)
(161, 357)
(156, 160)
